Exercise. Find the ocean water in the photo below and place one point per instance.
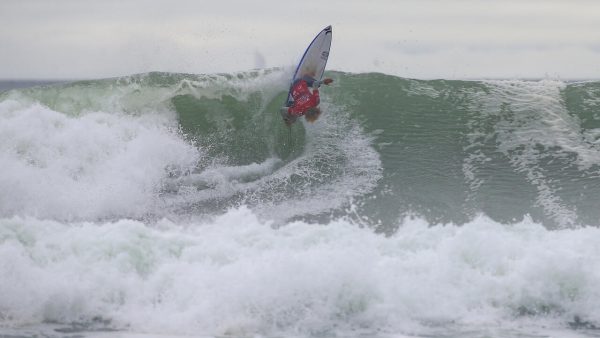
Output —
(161, 204)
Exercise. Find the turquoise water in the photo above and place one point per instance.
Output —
(181, 204)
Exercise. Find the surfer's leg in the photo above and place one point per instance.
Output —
(287, 118)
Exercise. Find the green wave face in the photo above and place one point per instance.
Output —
(451, 150)
(384, 149)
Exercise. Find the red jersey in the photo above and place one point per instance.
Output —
(303, 99)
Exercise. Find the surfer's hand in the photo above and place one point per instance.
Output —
(327, 81)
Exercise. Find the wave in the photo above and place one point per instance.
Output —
(181, 204)
(443, 150)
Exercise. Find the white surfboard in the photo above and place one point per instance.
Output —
(314, 60)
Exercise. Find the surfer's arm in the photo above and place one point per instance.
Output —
(317, 84)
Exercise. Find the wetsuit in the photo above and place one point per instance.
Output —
(302, 98)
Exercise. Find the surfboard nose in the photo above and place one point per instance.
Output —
(328, 29)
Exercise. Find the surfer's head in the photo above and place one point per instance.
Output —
(312, 114)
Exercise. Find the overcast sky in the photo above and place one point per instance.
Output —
(41, 39)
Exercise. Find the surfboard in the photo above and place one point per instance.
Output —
(313, 60)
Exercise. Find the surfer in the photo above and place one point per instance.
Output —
(304, 102)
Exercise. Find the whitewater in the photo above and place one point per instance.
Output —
(166, 204)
